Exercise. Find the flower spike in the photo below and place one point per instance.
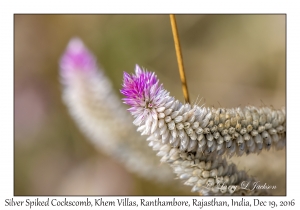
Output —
(192, 139)
(200, 129)
(100, 115)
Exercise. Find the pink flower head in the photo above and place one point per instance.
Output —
(77, 58)
(143, 93)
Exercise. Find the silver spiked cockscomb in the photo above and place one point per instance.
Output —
(193, 139)
(99, 113)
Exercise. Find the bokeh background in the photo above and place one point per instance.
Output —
(230, 60)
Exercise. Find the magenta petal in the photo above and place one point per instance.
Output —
(138, 70)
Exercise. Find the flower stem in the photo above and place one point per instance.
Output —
(179, 59)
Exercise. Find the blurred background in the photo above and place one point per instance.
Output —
(230, 61)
